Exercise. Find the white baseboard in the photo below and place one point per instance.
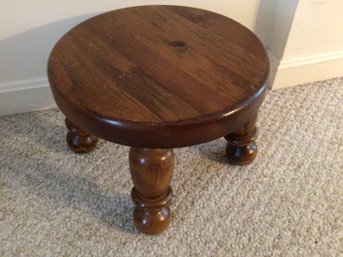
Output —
(25, 96)
(304, 70)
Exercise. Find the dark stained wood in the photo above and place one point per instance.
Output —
(78, 140)
(159, 76)
(155, 78)
(241, 148)
(151, 172)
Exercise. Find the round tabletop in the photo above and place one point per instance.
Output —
(159, 76)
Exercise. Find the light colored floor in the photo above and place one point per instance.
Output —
(289, 202)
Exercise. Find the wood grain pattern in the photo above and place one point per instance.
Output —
(183, 75)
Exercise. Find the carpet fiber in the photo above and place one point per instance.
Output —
(289, 202)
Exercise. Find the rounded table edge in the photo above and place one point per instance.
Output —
(163, 135)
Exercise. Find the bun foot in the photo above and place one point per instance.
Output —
(152, 221)
(241, 155)
(151, 217)
(80, 141)
(241, 148)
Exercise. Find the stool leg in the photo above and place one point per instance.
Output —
(151, 172)
(241, 148)
(80, 141)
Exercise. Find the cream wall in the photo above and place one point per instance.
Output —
(317, 28)
(273, 25)
(30, 28)
(314, 48)
(25, 15)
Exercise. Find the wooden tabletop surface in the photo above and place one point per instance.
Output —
(159, 76)
(158, 64)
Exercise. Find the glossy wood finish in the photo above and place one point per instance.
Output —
(78, 140)
(241, 148)
(151, 172)
(184, 75)
(155, 78)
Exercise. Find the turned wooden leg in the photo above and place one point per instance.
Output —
(151, 172)
(80, 141)
(241, 148)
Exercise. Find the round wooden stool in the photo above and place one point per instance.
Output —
(155, 78)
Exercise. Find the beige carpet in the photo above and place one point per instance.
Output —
(289, 202)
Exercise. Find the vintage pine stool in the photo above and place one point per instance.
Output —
(155, 78)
